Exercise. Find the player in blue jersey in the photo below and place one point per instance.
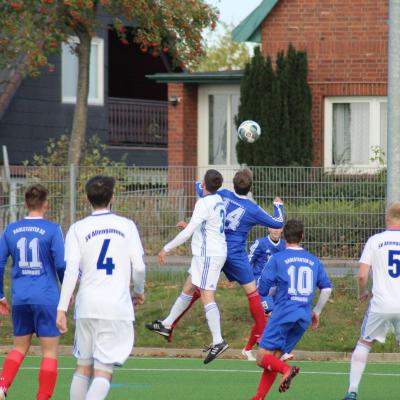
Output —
(241, 215)
(260, 252)
(295, 274)
(36, 247)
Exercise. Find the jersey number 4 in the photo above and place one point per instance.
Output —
(103, 262)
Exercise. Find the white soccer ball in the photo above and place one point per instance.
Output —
(249, 131)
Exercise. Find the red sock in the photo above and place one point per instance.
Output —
(10, 368)
(47, 378)
(257, 312)
(272, 363)
(254, 337)
(266, 381)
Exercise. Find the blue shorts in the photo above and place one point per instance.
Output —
(32, 318)
(281, 336)
(237, 267)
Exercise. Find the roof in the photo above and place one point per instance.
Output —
(198, 77)
(249, 30)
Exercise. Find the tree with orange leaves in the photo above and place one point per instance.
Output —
(32, 30)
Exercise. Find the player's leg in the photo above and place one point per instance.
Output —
(112, 346)
(48, 367)
(182, 304)
(83, 352)
(100, 385)
(275, 340)
(13, 361)
(256, 311)
(81, 379)
(219, 345)
(375, 326)
(23, 328)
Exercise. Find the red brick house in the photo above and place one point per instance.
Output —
(346, 43)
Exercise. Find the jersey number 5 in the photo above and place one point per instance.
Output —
(108, 265)
(394, 263)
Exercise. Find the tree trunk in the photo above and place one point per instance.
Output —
(81, 108)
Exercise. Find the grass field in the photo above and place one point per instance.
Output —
(182, 379)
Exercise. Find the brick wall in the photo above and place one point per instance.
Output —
(346, 43)
(182, 138)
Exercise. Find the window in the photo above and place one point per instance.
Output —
(355, 130)
(70, 73)
(217, 134)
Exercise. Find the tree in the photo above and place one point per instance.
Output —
(36, 29)
(280, 101)
(224, 54)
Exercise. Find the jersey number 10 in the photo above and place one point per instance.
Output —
(103, 262)
(301, 281)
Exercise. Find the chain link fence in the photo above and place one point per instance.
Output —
(340, 208)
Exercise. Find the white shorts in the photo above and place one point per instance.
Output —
(108, 342)
(376, 326)
(205, 271)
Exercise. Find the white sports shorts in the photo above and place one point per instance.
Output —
(205, 271)
(376, 326)
(108, 342)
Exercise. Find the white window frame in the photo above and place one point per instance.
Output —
(203, 121)
(93, 101)
(374, 125)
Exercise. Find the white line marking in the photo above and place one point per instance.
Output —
(218, 370)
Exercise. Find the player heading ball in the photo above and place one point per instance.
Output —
(209, 255)
(106, 251)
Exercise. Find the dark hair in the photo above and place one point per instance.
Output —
(242, 181)
(213, 180)
(35, 196)
(293, 231)
(99, 190)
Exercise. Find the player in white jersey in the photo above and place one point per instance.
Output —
(209, 255)
(382, 254)
(105, 250)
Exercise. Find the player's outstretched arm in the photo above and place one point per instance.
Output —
(198, 216)
(276, 220)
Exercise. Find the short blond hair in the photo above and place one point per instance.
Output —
(393, 212)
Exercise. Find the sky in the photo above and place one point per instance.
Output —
(234, 10)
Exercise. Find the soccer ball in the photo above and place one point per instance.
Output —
(249, 131)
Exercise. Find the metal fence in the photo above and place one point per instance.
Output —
(340, 208)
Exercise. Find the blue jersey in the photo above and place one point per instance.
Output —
(260, 252)
(242, 214)
(296, 274)
(36, 246)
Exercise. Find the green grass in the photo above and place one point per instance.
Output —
(182, 379)
(339, 330)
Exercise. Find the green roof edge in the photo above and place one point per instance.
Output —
(198, 77)
(249, 30)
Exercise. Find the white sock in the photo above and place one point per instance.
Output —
(79, 387)
(180, 305)
(213, 319)
(98, 389)
(358, 363)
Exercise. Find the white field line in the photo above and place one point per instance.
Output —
(217, 370)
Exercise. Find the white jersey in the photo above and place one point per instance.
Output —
(206, 226)
(105, 249)
(382, 253)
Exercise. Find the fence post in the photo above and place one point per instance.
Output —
(72, 193)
